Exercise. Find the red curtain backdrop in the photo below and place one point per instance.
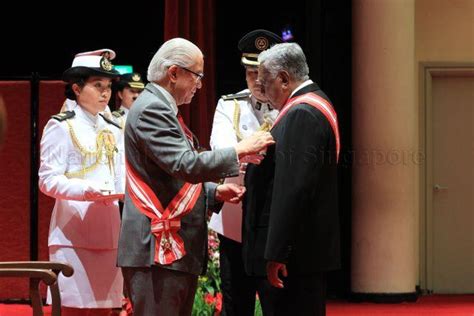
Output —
(15, 184)
(15, 179)
(194, 21)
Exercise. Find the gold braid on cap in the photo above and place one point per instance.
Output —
(105, 141)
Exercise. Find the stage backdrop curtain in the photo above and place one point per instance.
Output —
(194, 21)
(16, 180)
(15, 184)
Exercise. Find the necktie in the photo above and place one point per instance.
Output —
(186, 130)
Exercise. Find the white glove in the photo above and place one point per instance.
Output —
(91, 192)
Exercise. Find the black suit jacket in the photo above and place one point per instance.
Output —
(290, 208)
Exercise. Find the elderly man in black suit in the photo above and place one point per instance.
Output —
(291, 225)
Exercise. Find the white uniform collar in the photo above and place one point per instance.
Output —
(89, 117)
(168, 97)
(259, 106)
(301, 86)
(70, 104)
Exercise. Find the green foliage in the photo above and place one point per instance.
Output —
(200, 307)
(208, 298)
(258, 308)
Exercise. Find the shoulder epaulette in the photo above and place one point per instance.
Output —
(237, 96)
(110, 121)
(118, 113)
(64, 115)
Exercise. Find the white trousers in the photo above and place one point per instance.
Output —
(97, 282)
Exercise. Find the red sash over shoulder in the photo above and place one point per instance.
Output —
(165, 223)
(319, 103)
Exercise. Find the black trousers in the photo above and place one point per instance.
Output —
(239, 289)
(303, 295)
(158, 291)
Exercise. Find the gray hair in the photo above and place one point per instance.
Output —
(176, 51)
(287, 57)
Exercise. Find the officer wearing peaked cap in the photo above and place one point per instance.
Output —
(238, 116)
(100, 64)
(128, 87)
(80, 168)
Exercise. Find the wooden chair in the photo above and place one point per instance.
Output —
(37, 271)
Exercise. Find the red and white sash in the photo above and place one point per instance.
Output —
(165, 223)
(319, 103)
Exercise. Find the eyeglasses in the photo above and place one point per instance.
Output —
(199, 76)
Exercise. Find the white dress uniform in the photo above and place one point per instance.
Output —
(84, 233)
(237, 116)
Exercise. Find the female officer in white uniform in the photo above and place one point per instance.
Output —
(129, 86)
(80, 167)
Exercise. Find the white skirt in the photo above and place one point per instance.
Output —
(97, 282)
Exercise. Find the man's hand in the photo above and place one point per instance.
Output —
(255, 159)
(273, 268)
(230, 192)
(254, 144)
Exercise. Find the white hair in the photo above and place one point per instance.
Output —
(287, 57)
(176, 51)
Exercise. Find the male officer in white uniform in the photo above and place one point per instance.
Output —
(238, 116)
(128, 88)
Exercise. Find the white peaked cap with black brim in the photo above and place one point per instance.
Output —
(93, 63)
